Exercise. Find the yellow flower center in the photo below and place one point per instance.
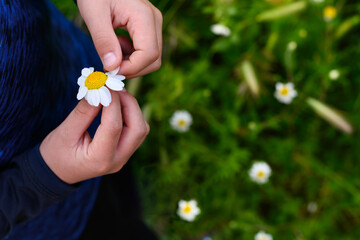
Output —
(187, 209)
(284, 91)
(95, 80)
(181, 122)
(261, 174)
(330, 12)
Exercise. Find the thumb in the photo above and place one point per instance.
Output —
(99, 23)
(79, 120)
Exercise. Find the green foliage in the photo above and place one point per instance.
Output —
(311, 160)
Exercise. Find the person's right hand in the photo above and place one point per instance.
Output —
(73, 156)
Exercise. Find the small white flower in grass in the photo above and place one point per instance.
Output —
(334, 74)
(260, 172)
(292, 46)
(181, 120)
(312, 207)
(188, 210)
(219, 29)
(318, 1)
(263, 236)
(92, 86)
(285, 92)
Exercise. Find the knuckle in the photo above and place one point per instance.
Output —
(81, 110)
(157, 64)
(116, 126)
(101, 39)
(158, 15)
(143, 131)
(154, 54)
(104, 167)
(147, 126)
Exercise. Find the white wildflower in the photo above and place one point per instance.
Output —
(188, 210)
(285, 92)
(181, 120)
(260, 172)
(334, 74)
(263, 236)
(312, 207)
(219, 29)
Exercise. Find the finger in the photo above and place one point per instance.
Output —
(158, 26)
(126, 47)
(78, 121)
(108, 133)
(99, 22)
(134, 130)
(143, 33)
(152, 68)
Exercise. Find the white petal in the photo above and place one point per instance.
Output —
(114, 84)
(182, 203)
(93, 97)
(105, 96)
(86, 71)
(119, 77)
(82, 92)
(290, 85)
(113, 72)
(278, 86)
(81, 81)
(293, 93)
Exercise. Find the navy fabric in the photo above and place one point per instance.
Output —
(27, 187)
(41, 57)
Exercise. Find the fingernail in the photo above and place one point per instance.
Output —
(109, 60)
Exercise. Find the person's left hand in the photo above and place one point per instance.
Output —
(143, 22)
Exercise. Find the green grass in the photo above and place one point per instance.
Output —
(311, 160)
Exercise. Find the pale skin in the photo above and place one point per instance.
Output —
(143, 22)
(69, 150)
(73, 156)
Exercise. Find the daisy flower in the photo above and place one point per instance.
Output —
(312, 207)
(188, 210)
(285, 92)
(329, 13)
(219, 29)
(181, 120)
(292, 46)
(334, 74)
(263, 236)
(92, 86)
(260, 172)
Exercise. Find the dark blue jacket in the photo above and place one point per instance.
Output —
(41, 57)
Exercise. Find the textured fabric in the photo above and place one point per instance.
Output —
(27, 188)
(41, 57)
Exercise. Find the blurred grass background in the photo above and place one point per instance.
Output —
(312, 161)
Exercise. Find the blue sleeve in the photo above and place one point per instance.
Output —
(27, 188)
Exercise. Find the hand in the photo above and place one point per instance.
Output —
(73, 156)
(143, 22)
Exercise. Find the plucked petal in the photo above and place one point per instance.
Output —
(105, 96)
(114, 84)
(119, 77)
(113, 72)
